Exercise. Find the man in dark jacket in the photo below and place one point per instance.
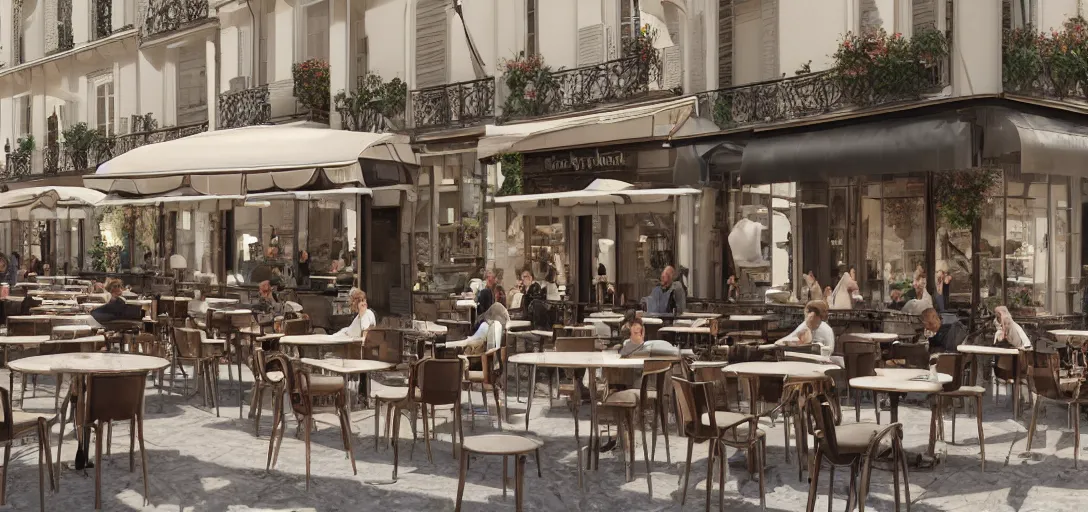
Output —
(116, 308)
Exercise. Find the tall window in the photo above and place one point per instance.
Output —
(1017, 13)
(630, 21)
(23, 117)
(317, 31)
(104, 104)
(530, 28)
(265, 43)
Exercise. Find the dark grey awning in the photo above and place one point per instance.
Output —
(1046, 145)
(885, 147)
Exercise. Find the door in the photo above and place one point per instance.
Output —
(386, 257)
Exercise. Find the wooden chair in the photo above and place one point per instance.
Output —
(17, 425)
(432, 382)
(861, 358)
(190, 347)
(1046, 384)
(265, 379)
(303, 388)
(489, 378)
(855, 446)
(628, 406)
(955, 364)
(109, 398)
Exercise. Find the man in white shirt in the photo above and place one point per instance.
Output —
(814, 330)
(365, 318)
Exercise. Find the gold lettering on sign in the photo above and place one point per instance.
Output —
(596, 161)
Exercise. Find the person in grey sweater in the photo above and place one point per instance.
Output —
(670, 297)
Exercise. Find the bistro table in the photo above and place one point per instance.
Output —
(691, 333)
(591, 361)
(82, 364)
(347, 368)
(897, 385)
(219, 301)
(875, 337)
(989, 350)
(302, 341)
(518, 325)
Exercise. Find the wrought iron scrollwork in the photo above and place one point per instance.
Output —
(807, 95)
(451, 105)
(170, 15)
(244, 108)
(583, 88)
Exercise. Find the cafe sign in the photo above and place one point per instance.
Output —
(588, 162)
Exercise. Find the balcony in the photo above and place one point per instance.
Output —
(533, 90)
(264, 104)
(1047, 65)
(102, 14)
(454, 105)
(164, 16)
(91, 151)
(808, 95)
(374, 106)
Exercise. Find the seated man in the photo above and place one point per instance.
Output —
(945, 332)
(814, 330)
(116, 308)
(670, 297)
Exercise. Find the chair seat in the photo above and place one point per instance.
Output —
(500, 444)
(393, 394)
(626, 398)
(854, 438)
(475, 376)
(325, 385)
(965, 391)
(24, 422)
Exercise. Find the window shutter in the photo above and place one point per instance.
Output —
(698, 54)
(432, 36)
(725, 43)
(870, 17)
(923, 15)
(530, 27)
(362, 48)
(672, 67)
(630, 20)
(123, 128)
(769, 16)
(591, 45)
(245, 52)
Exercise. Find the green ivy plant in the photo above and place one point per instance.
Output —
(1021, 61)
(1054, 64)
(530, 84)
(374, 95)
(962, 196)
(79, 141)
(511, 172)
(723, 109)
(875, 66)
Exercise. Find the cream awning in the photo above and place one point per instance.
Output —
(601, 191)
(43, 203)
(250, 159)
(632, 124)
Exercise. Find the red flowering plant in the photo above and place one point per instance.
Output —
(311, 80)
(1021, 61)
(874, 67)
(962, 196)
(1054, 63)
(648, 59)
(530, 84)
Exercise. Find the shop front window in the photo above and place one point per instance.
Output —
(651, 239)
(904, 236)
(547, 251)
(1026, 253)
(247, 242)
(991, 248)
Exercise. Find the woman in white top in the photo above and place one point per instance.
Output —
(488, 335)
(637, 346)
(364, 319)
(814, 330)
(1008, 330)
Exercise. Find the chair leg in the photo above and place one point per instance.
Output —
(109, 438)
(462, 474)
(97, 466)
(1034, 422)
(307, 428)
(132, 445)
(498, 405)
(1076, 435)
(275, 428)
(395, 438)
(143, 456)
(857, 406)
(981, 434)
(687, 471)
(710, 472)
(4, 479)
(377, 427)
(471, 411)
(283, 427)
(258, 395)
(814, 478)
(762, 475)
(830, 486)
(345, 425)
(852, 491)
(953, 421)
(427, 432)
(519, 484)
(645, 452)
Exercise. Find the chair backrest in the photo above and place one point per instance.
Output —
(385, 345)
(915, 355)
(114, 397)
(692, 399)
(822, 415)
(27, 327)
(187, 342)
(296, 327)
(581, 344)
(1043, 370)
(860, 358)
(954, 364)
(654, 372)
(438, 381)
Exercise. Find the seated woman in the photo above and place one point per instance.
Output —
(1008, 330)
(489, 333)
(364, 316)
(814, 330)
(636, 345)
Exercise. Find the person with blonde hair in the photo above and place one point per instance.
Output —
(488, 335)
(1008, 330)
(364, 316)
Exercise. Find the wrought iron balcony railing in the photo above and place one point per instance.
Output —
(246, 107)
(454, 105)
(65, 158)
(264, 104)
(812, 94)
(169, 15)
(583, 88)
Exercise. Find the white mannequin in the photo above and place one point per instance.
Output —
(744, 242)
(606, 255)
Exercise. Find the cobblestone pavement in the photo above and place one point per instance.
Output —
(200, 462)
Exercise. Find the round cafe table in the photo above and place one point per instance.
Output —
(302, 341)
(989, 350)
(751, 370)
(591, 361)
(898, 384)
(347, 368)
(875, 337)
(83, 364)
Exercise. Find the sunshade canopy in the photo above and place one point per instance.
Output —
(250, 159)
(601, 191)
(632, 124)
(1045, 144)
(43, 202)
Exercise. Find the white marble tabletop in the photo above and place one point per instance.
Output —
(988, 350)
(220, 300)
(23, 340)
(605, 314)
(518, 325)
(882, 337)
(318, 340)
(807, 357)
(1068, 333)
(88, 362)
(72, 328)
(685, 330)
(577, 360)
(749, 318)
(234, 311)
(780, 368)
(349, 366)
(889, 384)
(696, 316)
(911, 374)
